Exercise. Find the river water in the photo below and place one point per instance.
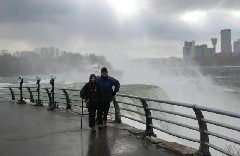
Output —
(217, 87)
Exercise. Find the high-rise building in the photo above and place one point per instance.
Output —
(203, 51)
(200, 50)
(226, 46)
(214, 43)
(189, 50)
(236, 46)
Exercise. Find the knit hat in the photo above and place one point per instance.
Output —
(104, 69)
(91, 76)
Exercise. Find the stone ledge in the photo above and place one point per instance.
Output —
(137, 132)
(174, 147)
(160, 143)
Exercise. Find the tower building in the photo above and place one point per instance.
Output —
(226, 46)
(236, 46)
(214, 43)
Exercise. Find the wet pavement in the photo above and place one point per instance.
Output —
(27, 130)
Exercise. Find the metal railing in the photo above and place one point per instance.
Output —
(202, 128)
(66, 96)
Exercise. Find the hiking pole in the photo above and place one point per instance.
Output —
(82, 114)
(81, 129)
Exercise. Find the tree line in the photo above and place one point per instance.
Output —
(217, 60)
(48, 61)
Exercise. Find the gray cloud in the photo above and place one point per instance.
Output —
(69, 16)
(91, 25)
(173, 6)
(29, 11)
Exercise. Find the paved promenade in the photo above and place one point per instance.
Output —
(27, 130)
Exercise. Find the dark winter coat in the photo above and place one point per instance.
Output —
(106, 84)
(91, 91)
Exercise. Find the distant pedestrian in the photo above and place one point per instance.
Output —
(106, 83)
(91, 92)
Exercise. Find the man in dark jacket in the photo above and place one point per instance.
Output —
(106, 82)
(91, 92)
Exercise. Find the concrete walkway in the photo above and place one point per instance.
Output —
(27, 130)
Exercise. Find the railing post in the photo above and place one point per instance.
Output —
(52, 91)
(52, 105)
(38, 101)
(203, 148)
(67, 99)
(117, 111)
(31, 95)
(12, 93)
(21, 101)
(149, 129)
(49, 95)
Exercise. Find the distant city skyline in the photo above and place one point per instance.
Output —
(190, 50)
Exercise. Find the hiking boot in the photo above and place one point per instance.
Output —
(104, 123)
(100, 126)
(93, 130)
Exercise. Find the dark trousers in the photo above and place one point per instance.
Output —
(105, 109)
(93, 106)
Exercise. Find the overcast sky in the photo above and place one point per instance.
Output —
(115, 28)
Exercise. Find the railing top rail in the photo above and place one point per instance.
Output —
(5, 87)
(218, 111)
(174, 113)
(174, 122)
(18, 87)
(213, 110)
(223, 137)
(221, 124)
(46, 88)
(126, 103)
(9, 86)
(30, 87)
(68, 89)
(12, 87)
(159, 101)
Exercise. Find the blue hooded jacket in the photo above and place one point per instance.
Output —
(106, 84)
